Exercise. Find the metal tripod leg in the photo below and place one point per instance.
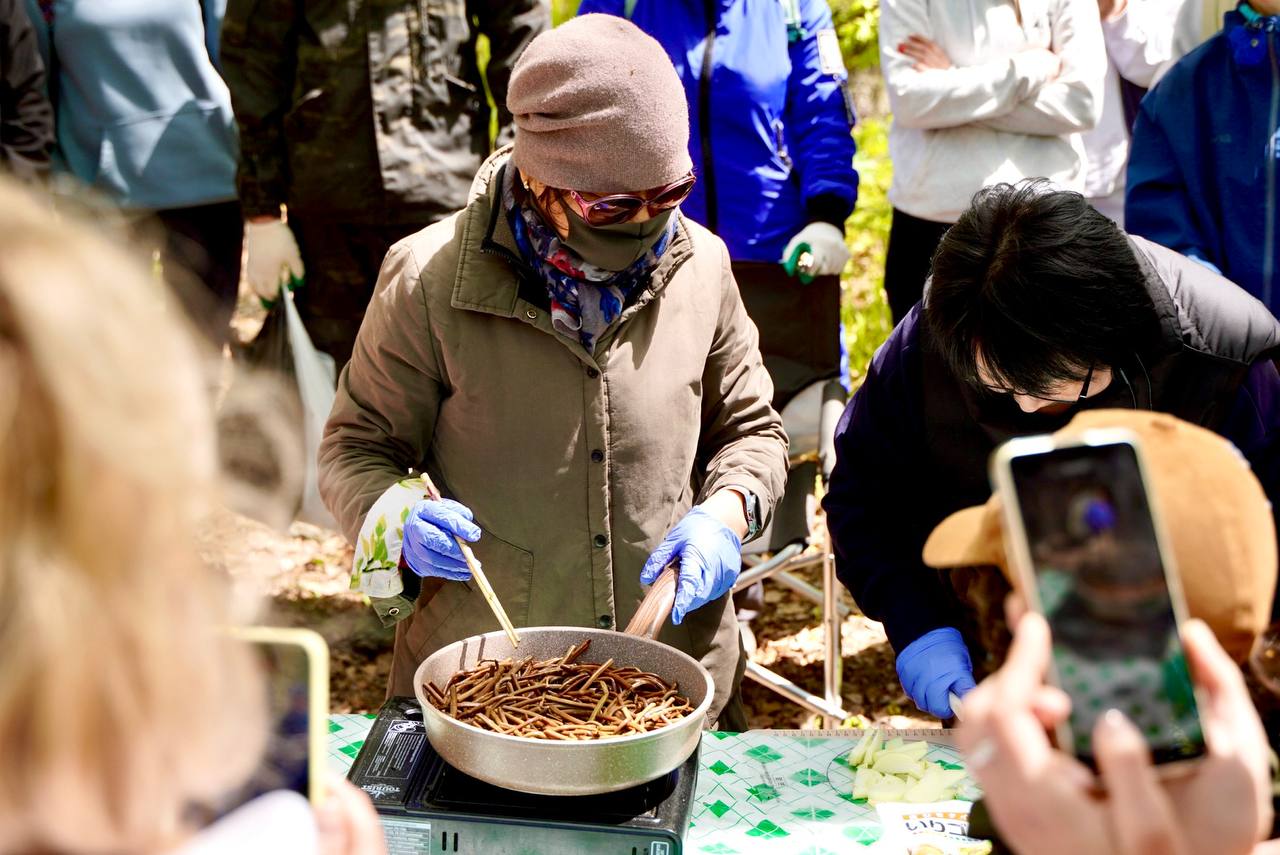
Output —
(833, 664)
(830, 705)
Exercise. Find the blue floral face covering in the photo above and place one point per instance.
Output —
(585, 299)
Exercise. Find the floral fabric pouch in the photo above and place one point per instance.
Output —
(376, 571)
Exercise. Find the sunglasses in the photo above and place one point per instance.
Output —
(620, 207)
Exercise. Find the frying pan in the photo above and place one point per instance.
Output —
(585, 767)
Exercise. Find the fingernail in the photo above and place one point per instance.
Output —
(1114, 719)
(1114, 723)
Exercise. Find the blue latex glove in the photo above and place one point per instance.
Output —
(428, 545)
(933, 665)
(710, 557)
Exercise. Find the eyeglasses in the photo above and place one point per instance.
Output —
(620, 207)
(1084, 392)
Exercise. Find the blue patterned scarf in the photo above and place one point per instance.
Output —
(585, 299)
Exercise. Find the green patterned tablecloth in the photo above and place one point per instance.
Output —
(346, 736)
(783, 792)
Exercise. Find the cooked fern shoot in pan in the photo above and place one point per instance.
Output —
(561, 698)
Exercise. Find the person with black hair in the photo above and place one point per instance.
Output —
(1038, 307)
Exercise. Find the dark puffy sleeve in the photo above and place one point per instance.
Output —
(259, 45)
(872, 505)
(820, 120)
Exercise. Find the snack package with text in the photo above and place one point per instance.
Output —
(941, 828)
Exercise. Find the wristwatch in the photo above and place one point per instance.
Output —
(751, 504)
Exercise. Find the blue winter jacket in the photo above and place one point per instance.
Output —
(142, 113)
(1202, 172)
(770, 133)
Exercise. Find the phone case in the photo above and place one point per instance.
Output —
(1019, 552)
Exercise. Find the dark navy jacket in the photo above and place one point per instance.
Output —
(912, 446)
(1202, 170)
(769, 128)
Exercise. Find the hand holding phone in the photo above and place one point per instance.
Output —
(295, 671)
(347, 821)
(295, 668)
(1088, 548)
(1226, 802)
(1044, 801)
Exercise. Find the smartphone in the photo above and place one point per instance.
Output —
(295, 669)
(1085, 537)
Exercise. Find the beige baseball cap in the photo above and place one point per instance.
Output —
(1216, 515)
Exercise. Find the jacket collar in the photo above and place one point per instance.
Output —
(488, 256)
(1248, 15)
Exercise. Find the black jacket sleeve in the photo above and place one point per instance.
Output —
(258, 54)
(1253, 426)
(510, 25)
(873, 508)
(26, 118)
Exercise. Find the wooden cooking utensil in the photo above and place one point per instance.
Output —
(477, 572)
(655, 608)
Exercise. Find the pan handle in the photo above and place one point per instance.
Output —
(655, 608)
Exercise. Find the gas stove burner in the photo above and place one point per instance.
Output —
(427, 806)
(456, 791)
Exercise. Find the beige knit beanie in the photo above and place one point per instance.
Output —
(599, 109)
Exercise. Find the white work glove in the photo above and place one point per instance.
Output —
(271, 257)
(825, 243)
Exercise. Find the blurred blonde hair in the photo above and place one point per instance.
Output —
(121, 703)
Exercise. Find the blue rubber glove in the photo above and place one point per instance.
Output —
(933, 665)
(710, 558)
(429, 548)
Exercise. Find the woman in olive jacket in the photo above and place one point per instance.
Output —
(569, 359)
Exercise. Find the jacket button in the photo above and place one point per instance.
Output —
(601, 541)
(597, 456)
(605, 621)
(393, 611)
(531, 314)
(592, 373)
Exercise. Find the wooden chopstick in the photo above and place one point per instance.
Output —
(477, 572)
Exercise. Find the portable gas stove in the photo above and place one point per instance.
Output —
(427, 806)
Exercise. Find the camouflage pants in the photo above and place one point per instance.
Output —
(342, 261)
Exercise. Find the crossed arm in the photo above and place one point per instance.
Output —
(1040, 90)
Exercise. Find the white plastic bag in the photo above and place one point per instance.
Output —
(316, 378)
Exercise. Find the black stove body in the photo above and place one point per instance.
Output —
(427, 806)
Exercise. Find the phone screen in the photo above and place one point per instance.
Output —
(1103, 588)
(286, 761)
